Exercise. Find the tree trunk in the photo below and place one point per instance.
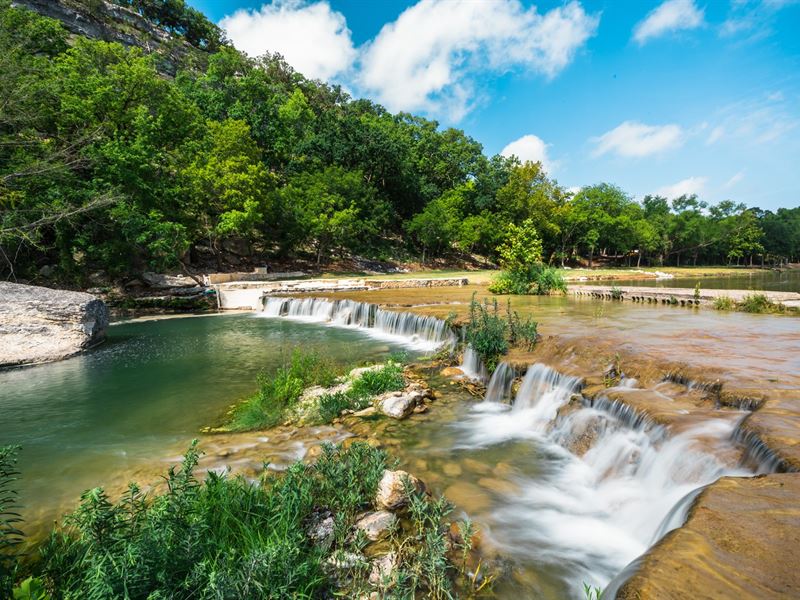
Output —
(639, 259)
(591, 252)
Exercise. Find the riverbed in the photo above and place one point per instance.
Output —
(559, 518)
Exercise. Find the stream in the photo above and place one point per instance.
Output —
(567, 493)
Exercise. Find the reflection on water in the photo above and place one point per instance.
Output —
(786, 281)
(152, 386)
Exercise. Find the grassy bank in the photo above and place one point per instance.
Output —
(290, 535)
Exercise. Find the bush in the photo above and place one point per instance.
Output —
(521, 333)
(487, 333)
(724, 303)
(756, 303)
(279, 392)
(536, 279)
(616, 293)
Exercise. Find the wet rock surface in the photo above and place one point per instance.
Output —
(740, 541)
(40, 324)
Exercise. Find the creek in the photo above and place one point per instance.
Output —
(568, 492)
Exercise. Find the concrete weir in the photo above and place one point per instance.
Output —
(677, 296)
(248, 294)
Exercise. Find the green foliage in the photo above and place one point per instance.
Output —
(106, 165)
(696, 294)
(280, 392)
(368, 385)
(756, 303)
(592, 593)
(30, 589)
(616, 293)
(724, 303)
(10, 536)
(486, 332)
(521, 333)
(537, 279)
(222, 537)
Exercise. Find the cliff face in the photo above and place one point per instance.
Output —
(39, 324)
(109, 22)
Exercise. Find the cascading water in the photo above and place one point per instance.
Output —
(423, 333)
(472, 366)
(609, 483)
(499, 387)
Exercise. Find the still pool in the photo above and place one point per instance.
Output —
(153, 385)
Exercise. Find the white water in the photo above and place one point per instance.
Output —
(499, 387)
(421, 333)
(589, 516)
(472, 366)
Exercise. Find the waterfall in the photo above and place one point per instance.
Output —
(423, 333)
(472, 366)
(499, 387)
(610, 482)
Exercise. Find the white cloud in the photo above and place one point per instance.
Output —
(688, 186)
(715, 135)
(529, 147)
(759, 120)
(733, 180)
(632, 139)
(672, 15)
(313, 38)
(431, 56)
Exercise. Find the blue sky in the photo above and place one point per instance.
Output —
(657, 97)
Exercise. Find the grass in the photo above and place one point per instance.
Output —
(752, 303)
(227, 537)
(490, 335)
(370, 384)
(278, 393)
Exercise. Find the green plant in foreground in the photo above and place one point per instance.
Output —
(756, 303)
(10, 535)
(697, 293)
(592, 593)
(616, 293)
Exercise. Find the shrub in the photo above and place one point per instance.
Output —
(279, 392)
(756, 303)
(535, 279)
(724, 303)
(616, 293)
(521, 333)
(487, 333)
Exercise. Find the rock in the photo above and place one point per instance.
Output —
(367, 412)
(383, 569)
(376, 525)
(399, 405)
(451, 469)
(501, 486)
(420, 408)
(320, 530)
(358, 372)
(160, 280)
(39, 324)
(391, 489)
(451, 372)
(47, 271)
(467, 496)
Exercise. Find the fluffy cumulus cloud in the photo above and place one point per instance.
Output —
(431, 56)
(672, 15)
(313, 38)
(633, 140)
(529, 147)
(688, 186)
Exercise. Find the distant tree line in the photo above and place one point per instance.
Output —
(107, 165)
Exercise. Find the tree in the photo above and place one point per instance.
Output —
(521, 248)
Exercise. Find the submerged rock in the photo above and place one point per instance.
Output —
(392, 491)
(40, 324)
(376, 525)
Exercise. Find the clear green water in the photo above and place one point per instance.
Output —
(787, 281)
(150, 387)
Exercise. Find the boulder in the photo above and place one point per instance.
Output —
(392, 491)
(376, 525)
(383, 569)
(39, 324)
(399, 405)
(162, 281)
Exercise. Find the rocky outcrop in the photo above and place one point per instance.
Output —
(392, 489)
(739, 542)
(39, 324)
(113, 23)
